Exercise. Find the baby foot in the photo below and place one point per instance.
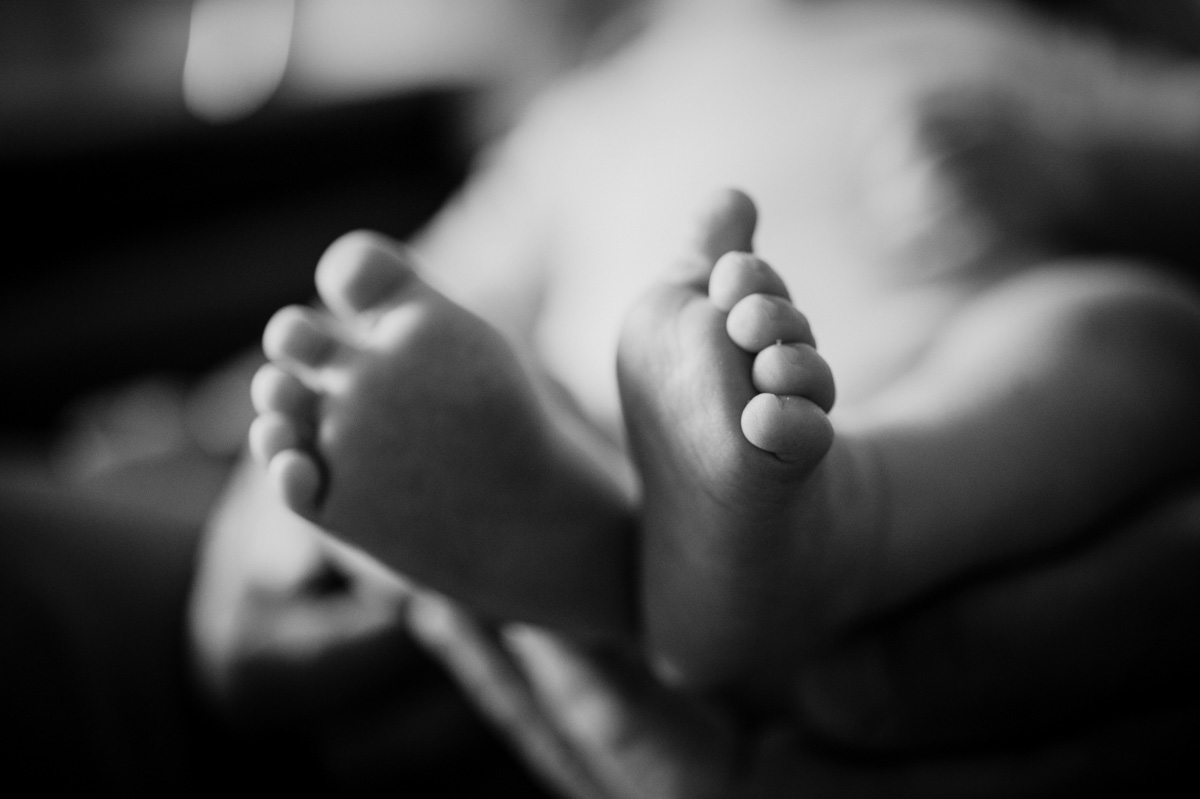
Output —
(726, 399)
(408, 426)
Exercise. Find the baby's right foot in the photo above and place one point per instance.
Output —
(726, 399)
(408, 426)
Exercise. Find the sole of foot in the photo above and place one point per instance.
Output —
(408, 426)
(726, 399)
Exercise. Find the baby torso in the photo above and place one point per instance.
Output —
(809, 110)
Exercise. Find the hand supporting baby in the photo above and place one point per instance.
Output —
(597, 724)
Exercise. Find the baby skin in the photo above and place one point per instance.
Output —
(409, 427)
(1055, 397)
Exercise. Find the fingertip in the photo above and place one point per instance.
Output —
(430, 618)
(543, 657)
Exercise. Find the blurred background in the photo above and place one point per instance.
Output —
(174, 170)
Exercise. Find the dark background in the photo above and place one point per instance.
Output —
(169, 252)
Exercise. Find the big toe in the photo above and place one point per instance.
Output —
(361, 272)
(296, 339)
(726, 223)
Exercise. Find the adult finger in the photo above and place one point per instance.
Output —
(1051, 647)
(640, 739)
(495, 685)
(286, 625)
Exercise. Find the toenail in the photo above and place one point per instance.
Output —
(792, 353)
(372, 286)
(312, 346)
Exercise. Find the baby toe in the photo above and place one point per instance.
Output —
(726, 222)
(362, 271)
(297, 478)
(793, 428)
(760, 320)
(271, 434)
(295, 339)
(737, 275)
(275, 391)
(794, 369)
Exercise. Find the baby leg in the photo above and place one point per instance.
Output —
(408, 426)
(726, 398)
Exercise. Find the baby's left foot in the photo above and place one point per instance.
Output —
(405, 424)
(726, 398)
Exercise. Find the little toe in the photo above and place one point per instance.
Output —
(793, 428)
(738, 275)
(275, 391)
(362, 271)
(295, 339)
(795, 369)
(297, 477)
(761, 320)
(271, 434)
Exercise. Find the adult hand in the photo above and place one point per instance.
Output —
(995, 663)
(1093, 636)
(1007, 713)
(299, 645)
(286, 625)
